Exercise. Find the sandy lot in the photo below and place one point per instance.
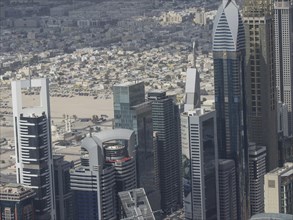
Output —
(81, 106)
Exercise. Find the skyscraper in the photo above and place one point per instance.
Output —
(229, 58)
(63, 193)
(192, 90)
(260, 77)
(33, 147)
(257, 170)
(227, 190)
(169, 148)
(107, 167)
(131, 111)
(200, 165)
(282, 114)
(283, 19)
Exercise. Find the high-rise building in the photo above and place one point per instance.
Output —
(261, 96)
(131, 111)
(282, 114)
(257, 170)
(278, 193)
(229, 73)
(200, 165)
(169, 148)
(135, 205)
(107, 167)
(33, 147)
(16, 202)
(285, 142)
(63, 193)
(283, 19)
(227, 190)
(192, 90)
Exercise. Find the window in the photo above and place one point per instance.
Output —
(271, 183)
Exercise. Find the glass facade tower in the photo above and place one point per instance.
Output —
(229, 61)
(131, 111)
(283, 19)
(165, 125)
(200, 165)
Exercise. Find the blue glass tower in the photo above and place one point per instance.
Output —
(229, 62)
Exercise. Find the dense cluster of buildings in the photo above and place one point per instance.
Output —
(165, 158)
(124, 39)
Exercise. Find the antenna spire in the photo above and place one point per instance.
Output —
(193, 54)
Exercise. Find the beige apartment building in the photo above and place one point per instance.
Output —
(278, 190)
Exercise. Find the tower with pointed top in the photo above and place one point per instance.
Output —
(260, 76)
(192, 86)
(229, 63)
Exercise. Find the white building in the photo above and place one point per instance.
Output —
(278, 193)
(200, 165)
(33, 147)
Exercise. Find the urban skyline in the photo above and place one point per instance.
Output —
(174, 110)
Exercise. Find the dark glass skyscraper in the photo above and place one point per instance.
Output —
(261, 97)
(63, 193)
(131, 111)
(169, 147)
(229, 61)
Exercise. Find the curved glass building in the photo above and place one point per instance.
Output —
(108, 166)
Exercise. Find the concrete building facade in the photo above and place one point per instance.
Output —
(16, 202)
(261, 96)
(278, 193)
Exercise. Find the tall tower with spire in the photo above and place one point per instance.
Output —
(260, 77)
(192, 86)
(229, 63)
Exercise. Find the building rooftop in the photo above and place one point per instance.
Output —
(15, 192)
(128, 83)
(288, 173)
(283, 170)
(272, 216)
(136, 205)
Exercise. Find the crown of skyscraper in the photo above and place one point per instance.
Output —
(228, 31)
